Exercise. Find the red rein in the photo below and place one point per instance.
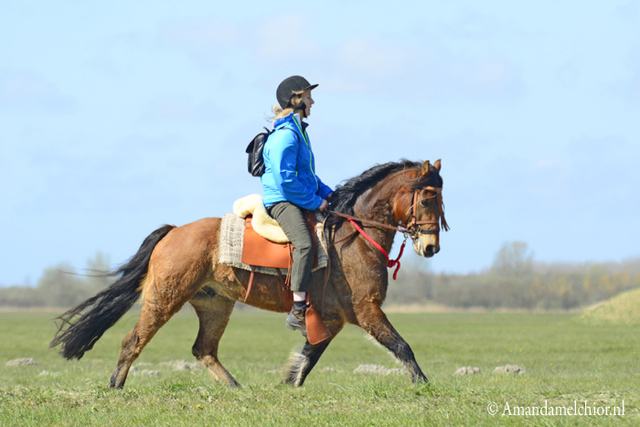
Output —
(390, 262)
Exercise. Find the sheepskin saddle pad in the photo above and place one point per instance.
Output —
(233, 228)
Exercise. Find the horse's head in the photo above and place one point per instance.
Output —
(404, 196)
(419, 207)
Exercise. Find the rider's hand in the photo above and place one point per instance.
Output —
(324, 205)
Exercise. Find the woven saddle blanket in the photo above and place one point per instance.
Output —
(232, 238)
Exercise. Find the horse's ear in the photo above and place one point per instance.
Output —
(426, 167)
(437, 164)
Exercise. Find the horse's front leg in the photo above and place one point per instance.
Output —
(300, 364)
(373, 320)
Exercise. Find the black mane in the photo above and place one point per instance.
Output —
(345, 195)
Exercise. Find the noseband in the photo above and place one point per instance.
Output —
(413, 228)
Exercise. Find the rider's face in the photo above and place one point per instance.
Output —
(308, 102)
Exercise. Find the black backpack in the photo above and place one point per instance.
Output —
(255, 162)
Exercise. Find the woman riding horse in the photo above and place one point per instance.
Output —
(291, 186)
(176, 265)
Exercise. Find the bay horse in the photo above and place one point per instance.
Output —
(176, 265)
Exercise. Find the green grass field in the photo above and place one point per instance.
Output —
(567, 363)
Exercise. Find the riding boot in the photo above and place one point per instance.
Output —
(295, 320)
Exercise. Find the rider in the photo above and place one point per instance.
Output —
(291, 186)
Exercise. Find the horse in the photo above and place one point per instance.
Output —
(176, 265)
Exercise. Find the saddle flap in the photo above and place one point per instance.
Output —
(258, 251)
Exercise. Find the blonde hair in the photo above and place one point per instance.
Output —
(280, 112)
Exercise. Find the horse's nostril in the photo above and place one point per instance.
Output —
(431, 250)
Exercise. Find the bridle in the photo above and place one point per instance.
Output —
(412, 228)
(413, 225)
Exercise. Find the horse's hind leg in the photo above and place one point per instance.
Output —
(375, 322)
(160, 304)
(152, 318)
(214, 312)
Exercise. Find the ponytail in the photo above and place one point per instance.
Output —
(279, 112)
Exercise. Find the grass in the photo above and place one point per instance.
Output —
(565, 361)
(621, 309)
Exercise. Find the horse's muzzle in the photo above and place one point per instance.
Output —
(427, 250)
(430, 251)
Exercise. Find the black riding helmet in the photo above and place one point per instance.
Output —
(289, 87)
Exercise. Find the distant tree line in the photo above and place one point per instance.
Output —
(514, 281)
(60, 286)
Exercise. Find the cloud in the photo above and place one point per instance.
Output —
(30, 93)
(363, 64)
(372, 55)
(629, 13)
(426, 69)
(466, 59)
(178, 109)
(478, 28)
(284, 38)
(631, 87)
(203, 40)
(591, 176)
(495, 78)
(623, 75)
(449, 73)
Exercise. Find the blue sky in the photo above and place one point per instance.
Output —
(117, 118)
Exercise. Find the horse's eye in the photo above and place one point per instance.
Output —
(424, 203)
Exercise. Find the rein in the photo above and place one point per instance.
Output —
(390, 262)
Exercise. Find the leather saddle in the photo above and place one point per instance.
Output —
(259, 252)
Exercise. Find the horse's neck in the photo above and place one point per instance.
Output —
(378, 204)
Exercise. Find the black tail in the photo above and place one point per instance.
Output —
(86, 323)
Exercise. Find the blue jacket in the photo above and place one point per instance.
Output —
(290, 167)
